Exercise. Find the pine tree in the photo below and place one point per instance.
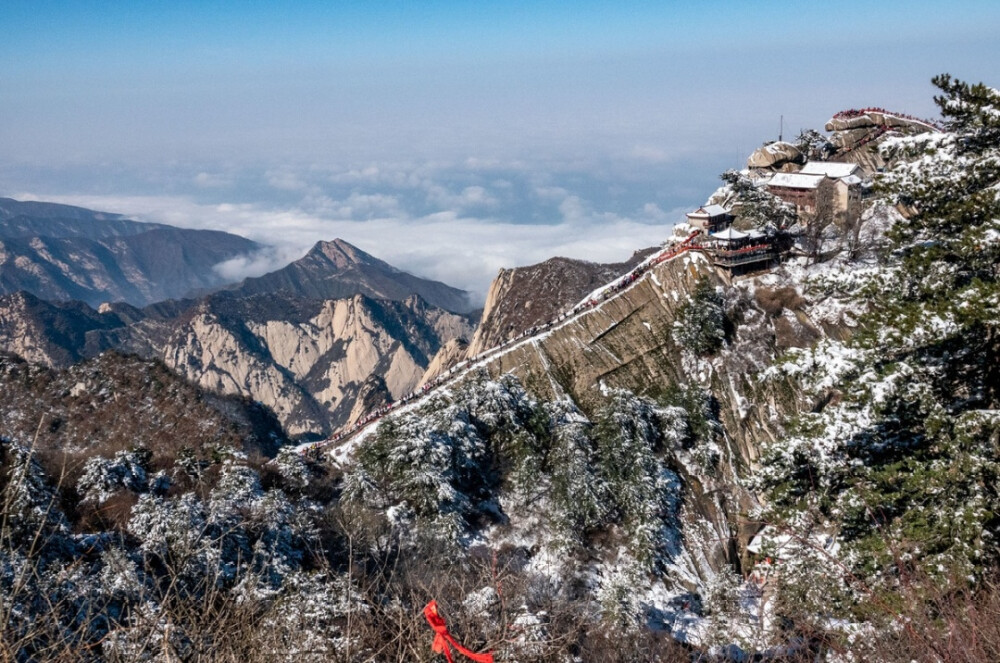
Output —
(756, 206)
(700, 324)
(905, 467)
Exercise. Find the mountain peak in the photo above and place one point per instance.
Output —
(338, 270)
(343, 254)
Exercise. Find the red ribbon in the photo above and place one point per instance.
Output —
(442, 638)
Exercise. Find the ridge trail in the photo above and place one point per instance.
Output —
(348, 439)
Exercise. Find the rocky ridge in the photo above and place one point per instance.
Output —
(307, 360)
(627, 343)
(855, 129)
(336, 270)
(523, 297)
(59, 252)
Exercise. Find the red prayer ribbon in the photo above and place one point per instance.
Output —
(442, 638)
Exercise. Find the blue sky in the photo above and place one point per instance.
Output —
(523, 129)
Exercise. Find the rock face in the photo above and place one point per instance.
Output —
(856, 134)
(450, 354)
(775, 155)
(308, 360)
(876, 118)
(311, 360)
(53, 334)
(627, 342)
(522, 297)
(58, 252)
(335, 270)
(372, 395)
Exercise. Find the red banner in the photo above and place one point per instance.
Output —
(442, 638)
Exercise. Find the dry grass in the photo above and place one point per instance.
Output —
(775, 300)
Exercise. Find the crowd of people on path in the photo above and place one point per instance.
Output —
(746, 250)
(608, 292)
(612, 290)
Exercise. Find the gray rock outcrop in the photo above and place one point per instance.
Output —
(775, 155)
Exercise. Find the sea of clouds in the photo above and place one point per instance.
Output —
(457, 222)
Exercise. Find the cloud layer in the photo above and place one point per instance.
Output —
(458, 223)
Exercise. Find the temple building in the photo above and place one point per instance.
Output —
(709, 218)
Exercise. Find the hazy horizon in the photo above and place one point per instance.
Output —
(448, 139)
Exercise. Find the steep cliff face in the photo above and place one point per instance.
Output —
(523, 297)
(306, 359)
(53, 334)
(450, 354)
(628, 344)
(371, 395)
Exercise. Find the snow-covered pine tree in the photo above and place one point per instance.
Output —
(904, 467)
(700, 323)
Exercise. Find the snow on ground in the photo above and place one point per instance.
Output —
(342, 453)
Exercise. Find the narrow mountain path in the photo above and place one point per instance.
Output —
(347, 440)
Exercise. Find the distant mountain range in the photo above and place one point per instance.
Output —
(60, 252)
(319, 342)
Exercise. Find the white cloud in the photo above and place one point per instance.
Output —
(286, 180)
(471, 197)
(212, 180)
(458, 222)
(573, 210)
(463, 251)
(266, 260)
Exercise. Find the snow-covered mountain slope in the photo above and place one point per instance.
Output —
(605, 425)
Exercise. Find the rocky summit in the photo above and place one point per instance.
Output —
(335, 270)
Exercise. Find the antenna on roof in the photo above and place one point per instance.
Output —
(781, 128)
